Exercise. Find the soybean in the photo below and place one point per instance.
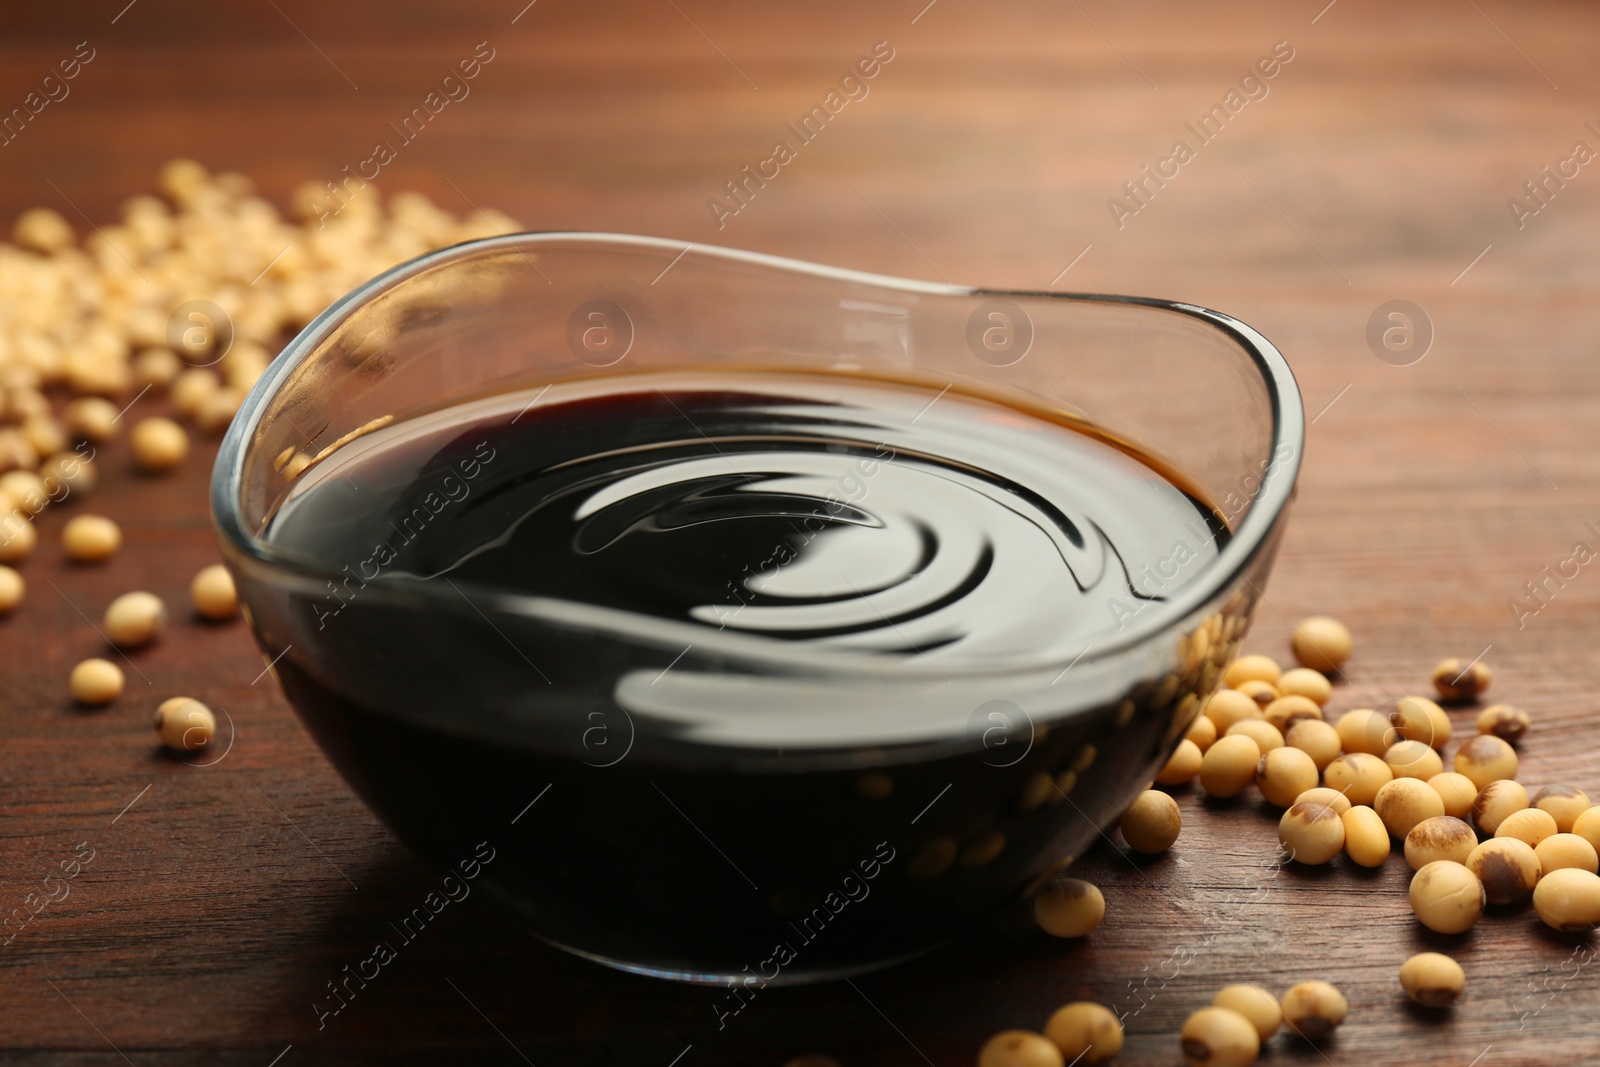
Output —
(1311, 833)
(1069, 907)
(1529, 825)
(1255, 1004)
(1019, 1048)
(1495, 801)
(1457, 791)
(1413, 759)
(12, 590)
(1366, 731)
(1085, 1032)
(1508, 869)
(1569, 900)
(1229, 706)
(185, 724)
(1460, 682)
(1486, 759)
(1314, 1009)
(1366, 839)
(1420, 719)
(1151, 823)
(213, 594)
(1563, 802)
(1218, 1037)
(1321, 643)
(1283, 774)
(1315, 738)
(1432, 979)
(96, 681)
(134, 619)
(1230, 766)
(1358, 776)
(1442, 837)
(1252, 668)
(1305, 682)
(1262, 732)
(1504, 721)
(1405, 802)
(90, 538)
(1558, 852)
(1447, 897)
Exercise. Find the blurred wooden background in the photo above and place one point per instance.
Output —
(1377, 167)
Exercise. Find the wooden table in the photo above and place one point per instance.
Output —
(1377, 167)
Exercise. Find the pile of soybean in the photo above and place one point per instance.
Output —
(1367, 784)
(178, 305)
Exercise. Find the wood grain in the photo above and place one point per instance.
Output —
(1377, 167)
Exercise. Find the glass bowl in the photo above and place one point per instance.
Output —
(712, 805)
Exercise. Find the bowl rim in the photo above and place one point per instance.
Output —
(1268, 501)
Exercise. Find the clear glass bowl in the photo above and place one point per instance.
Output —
(525, 742)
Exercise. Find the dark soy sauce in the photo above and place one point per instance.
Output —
(700, 820)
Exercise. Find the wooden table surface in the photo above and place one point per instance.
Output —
(1378, 167)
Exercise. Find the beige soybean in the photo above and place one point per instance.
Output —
(1405, 802)
(90, 538)
(1358, 776)
(1508, 869)
(1569, 900)
(1486, 759)
(1558, 852)
(185, 724)
(1442, 837)
(1311, 833)
(17, 537)
(1219, 1037)
(1504, 721)
(1420, 719)
(1252, 669)
(134, 619)
(1586, 826)
(158, 445)
(1366, 731)
(1413, 759)
(1323, 795)
(1432, 979)
(1183, 766)
(1366, 839)
(213, 595)
(1457, 791)
(91, 418)
(1321, 643)
(12, 590)
(1291, 708)
(1447, 897)
(1229, 766)
(1262, 732)
(1069, 907)
(1203, 732)
(96, 681)
(1317, 739)
(1314, 1009)
(1283, 774)
(1305, 682)
(1229, 706)
(1255, 1004)
(1019, 1048)
(1529, 825)
(1460, 681)
(1151, 823)
(1263, 693)
(1563, 802)
(1085, 1032)
(1495, 801)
